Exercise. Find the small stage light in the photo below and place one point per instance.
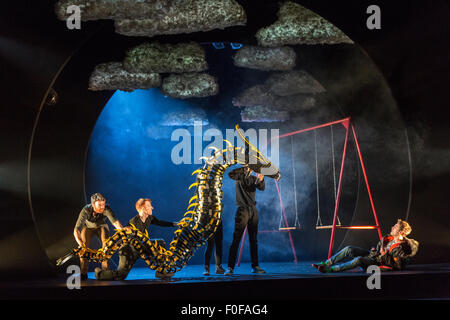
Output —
(218, 45)
(52, 97)
(235, 45)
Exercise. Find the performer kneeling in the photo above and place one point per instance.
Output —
(393, 251)
(127, 254)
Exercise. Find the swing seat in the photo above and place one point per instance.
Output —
(289, 228)
(347, 227)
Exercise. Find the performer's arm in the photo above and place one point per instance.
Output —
(118, 225)
(130, 223)
(79, 224)
(77, 235)
(162, 223)
(247, 179)
(394, 257)
(379, 247)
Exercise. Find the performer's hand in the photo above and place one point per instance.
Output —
(382, 251)
(260, 177)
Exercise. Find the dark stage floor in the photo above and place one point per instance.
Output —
(283, 281)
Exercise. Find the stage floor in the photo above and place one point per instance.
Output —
(283, 281)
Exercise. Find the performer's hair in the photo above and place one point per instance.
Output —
(141, 202)
(97, 197)
(405, 228)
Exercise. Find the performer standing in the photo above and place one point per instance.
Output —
(127, 254)
(92, 220)
(246, 215)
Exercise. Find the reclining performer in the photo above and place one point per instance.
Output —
(92, 220)
(392, 252)
(127, 254)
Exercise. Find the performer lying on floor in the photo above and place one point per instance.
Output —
(127, 254)
(393, 252)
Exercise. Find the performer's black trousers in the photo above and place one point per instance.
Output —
(245, 217)
(216, 239)
(127, 258)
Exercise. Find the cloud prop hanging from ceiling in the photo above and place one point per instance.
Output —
(112, 76)
(189, 85)
(157, 17)
(293, 82)
(184, 118)
(266, 59)
(283, 93)
(143, 64)
(166, 58)
(263, 114)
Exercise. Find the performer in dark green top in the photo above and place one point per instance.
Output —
(127, 254)
(92, 220)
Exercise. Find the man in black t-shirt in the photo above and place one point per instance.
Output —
(127, 254)
(92, 221)
(246, 214)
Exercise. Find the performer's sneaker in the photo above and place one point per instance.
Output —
(220, 270)
(257, 269)
(317, 265)
(206, 272)
(229, 272)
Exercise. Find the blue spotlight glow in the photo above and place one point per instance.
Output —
(235, 45)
